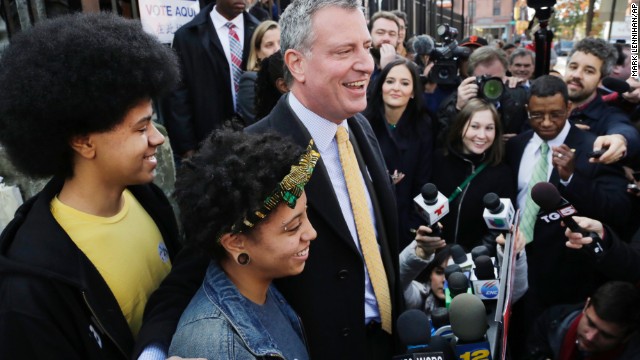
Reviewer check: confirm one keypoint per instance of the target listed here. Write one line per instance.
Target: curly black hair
(230, 176)
(75, 75)
(267, 94)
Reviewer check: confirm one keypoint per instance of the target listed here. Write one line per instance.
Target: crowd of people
(300, 145)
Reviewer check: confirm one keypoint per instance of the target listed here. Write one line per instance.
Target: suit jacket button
(343, 274)
(346, 332)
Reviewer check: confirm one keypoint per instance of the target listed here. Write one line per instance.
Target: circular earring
(244, 259)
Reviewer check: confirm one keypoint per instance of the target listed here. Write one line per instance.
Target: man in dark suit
(558, 274)
(206, 96)
(328, 65)
(328, 79)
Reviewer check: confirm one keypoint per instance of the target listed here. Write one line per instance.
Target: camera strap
(466, 182)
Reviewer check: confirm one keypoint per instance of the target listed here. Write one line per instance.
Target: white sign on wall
(163, 17)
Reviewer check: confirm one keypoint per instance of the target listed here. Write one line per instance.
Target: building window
(496, 7)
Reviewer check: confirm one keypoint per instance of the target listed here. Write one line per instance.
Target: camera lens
(443, 73)
(492, 89)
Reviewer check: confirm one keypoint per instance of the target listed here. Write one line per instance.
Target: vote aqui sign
(163, 17)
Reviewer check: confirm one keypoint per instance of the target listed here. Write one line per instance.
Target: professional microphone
(439, 317)
(468, 317)
(413, 332)
(485, 285)
(440, 324)
(457, 284)
(457, 254)
(556, 207)
(413, 329)
(616, 85)
(478, 251)
(450, 269)
(498, 213)
(431, 205)
(484, 268)
(441, 343)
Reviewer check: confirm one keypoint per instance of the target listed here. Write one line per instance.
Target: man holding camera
(486, 64)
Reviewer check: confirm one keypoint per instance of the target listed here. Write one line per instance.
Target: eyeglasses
(554, 116)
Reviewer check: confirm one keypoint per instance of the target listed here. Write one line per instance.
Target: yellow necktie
(364, 226)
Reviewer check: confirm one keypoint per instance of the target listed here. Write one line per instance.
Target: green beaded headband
(288, 191)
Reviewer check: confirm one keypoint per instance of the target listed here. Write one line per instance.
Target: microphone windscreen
(484, 268)
(492, 203)
(468, 318)
(457, 254)
(439, 317)
(450, 269)
(546, 196)
(413, 328)
(478, 251)
(429, 193)
(438, 343)
(423, 45)
(617, 85)
(458, 283)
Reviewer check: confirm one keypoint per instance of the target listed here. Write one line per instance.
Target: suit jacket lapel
(319, 190)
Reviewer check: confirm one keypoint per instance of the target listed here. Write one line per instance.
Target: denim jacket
(220, 324)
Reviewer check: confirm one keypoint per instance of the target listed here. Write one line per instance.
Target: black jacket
(464, 225)
(53, 302)
(547, 336)
(408, 148)
(202, 101)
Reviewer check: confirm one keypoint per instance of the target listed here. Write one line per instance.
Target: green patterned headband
(288, 191)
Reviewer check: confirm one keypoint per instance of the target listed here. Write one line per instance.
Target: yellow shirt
(127, 249)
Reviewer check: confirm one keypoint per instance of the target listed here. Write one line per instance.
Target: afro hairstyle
(230, 176)
(75, 75)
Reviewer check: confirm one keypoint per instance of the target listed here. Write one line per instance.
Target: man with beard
(384, 27)
(590, 61)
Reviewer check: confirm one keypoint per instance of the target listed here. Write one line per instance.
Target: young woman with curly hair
(243, 204)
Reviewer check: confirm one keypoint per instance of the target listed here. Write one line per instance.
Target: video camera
(446, 56)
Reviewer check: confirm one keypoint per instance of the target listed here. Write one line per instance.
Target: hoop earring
(244, 259)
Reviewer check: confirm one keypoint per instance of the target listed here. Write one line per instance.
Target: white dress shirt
(530, 157)
(323, 133)
(219, 24)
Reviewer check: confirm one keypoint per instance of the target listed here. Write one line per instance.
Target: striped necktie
(364, 227)
(531, 209)
(236, 55)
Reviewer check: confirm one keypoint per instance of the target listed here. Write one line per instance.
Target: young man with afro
(80, 258)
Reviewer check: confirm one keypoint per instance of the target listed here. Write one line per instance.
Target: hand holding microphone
(577, 239)
(427, 243)
(548, 198)
(633, 96)
(431, 205)
(519, 241)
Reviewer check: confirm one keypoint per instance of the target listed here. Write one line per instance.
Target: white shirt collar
(557, 141)
(220, 21)
(322, 130)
